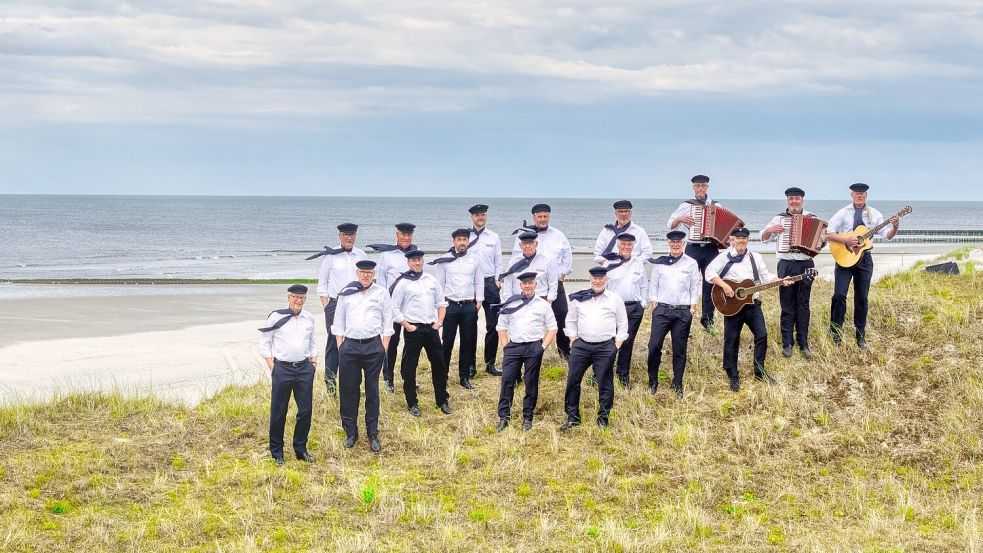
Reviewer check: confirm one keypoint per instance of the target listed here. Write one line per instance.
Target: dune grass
(851, 451)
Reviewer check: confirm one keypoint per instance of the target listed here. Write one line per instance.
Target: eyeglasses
(296, 297)
(675, 241)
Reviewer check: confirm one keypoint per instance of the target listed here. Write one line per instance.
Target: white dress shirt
(416, 301)
(292, 342)
(642, 248)
(488, 251)
(684, 209)
(789, 256)
(364, 314)
(678, 284)
(842, 221)
(461, 279)
(337, 271)
(529, 323)
(547, 276)
(391, 265)
(553, 244)
(629, 280)
(598, 319)
(740, 271)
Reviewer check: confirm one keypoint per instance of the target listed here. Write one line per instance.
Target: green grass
(851, 451)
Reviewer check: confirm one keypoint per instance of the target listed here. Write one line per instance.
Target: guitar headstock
(906, 210)
(809, 274)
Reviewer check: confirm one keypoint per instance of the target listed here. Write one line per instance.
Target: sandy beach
(186, 343)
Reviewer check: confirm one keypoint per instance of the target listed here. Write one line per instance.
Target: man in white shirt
(703, 251)
(627, 278)
(337, 270)
(597, 325)
(392, 263)
(419, 307)
(738, 264)
(623, 224)
(458, 274)
(487, 247)
(843, 222)
(795, 298)
(530, 259)
(287, 345)
(362, 326)
(553, 245)
(674, 289)
(527, 327)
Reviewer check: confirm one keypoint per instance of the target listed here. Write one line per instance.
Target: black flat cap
(541, 207)
(626, 237)
(527, 276)
(365, 264)
(741, 231)
(700, 179)
(528, 236)
(795, 191)
(405, 227)
(598, 271)
(297, 289)
(478, 208)
(859, 187)
(413, 254)
(348, 227)
(675, 235)
(622, 204)
(461, 232)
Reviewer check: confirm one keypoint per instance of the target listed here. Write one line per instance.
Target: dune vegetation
(852, 450)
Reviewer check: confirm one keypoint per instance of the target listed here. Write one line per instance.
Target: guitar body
(848, 257)
(731, 306)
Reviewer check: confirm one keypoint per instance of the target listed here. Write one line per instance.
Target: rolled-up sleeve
(266, 339)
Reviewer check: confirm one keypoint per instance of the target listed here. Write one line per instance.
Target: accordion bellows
(801, 233)
(713, 223)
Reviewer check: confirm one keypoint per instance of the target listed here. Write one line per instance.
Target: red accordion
(801, 233)
(713, 223)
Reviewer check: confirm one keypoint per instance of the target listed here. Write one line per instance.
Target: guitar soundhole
(740, 294)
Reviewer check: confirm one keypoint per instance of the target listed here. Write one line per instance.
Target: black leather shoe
(787, 351)
(390, 387)
(526, 425)
(350, 442)
(306, 457)
(445, 409)
(466, 384)
(602, 424)
(568, 425)
(862, 344)
(493, 370)
(679, 391)
(764, 377)
(278, 461)
(837, 340)
(653, 388)
(414, 410)
(374, 444)
(502, 423)
(735, 384)
(807, 353)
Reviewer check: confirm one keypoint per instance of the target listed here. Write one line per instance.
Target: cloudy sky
(502, 98)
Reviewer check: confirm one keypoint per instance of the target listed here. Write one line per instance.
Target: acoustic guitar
(848, 257)
(744, 292)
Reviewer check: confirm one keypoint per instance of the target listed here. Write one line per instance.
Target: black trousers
(559, 306)
(514, 356)
(492, 296)
(583, 355)
(426, 338)
(299, 382)
(795, 303)
(676, 323)
(752, 316)
(389, 361)
(355, 358)
(331, 350)
(704, 255)
(465, 318)
(635, 314)
(861, 273)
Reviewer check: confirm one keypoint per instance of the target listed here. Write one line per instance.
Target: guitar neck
(870, 233)
(761, 287)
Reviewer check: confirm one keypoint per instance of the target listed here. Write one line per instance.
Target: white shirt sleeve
(621, 320)
(340, 316)
(838, 223)
(387, 315)
(776, 220)
(266, 338)
(763, 272)
(479, 283)
(550, 319)
(566, 257)
(695, 286)
(497, 257)
(552, 281)
(570, 328)
(653, 288)
(396, 301)
(323, 275)
(438, 296)
(312, 348)
(715, 266)
(503, 321)
(683, 209)
(645, 244)
(599, 244)
(644, 285)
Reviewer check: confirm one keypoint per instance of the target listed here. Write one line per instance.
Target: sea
(239, 237)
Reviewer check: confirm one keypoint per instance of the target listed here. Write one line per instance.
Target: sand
(186, 344)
